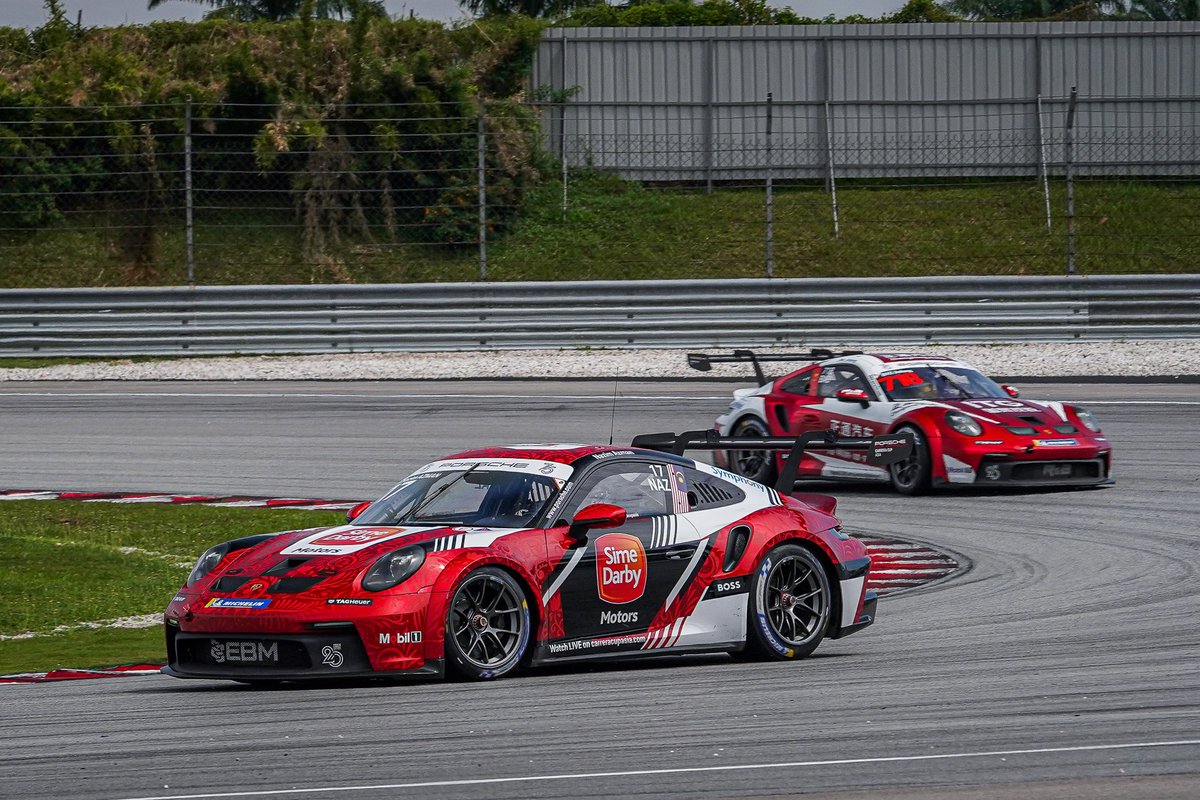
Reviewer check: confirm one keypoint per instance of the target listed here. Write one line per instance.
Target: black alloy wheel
(757, 465)
(911, 476)
(487, 626)
(790, 605)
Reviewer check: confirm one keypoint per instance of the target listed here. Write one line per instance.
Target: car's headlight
(1088, 419)
(393, 569)
(963, 424)
(207, 563)
(214, 555)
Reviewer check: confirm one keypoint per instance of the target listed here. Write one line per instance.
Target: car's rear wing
(704, 361)
(881, 450)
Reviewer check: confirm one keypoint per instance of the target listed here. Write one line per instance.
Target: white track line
(672, 771)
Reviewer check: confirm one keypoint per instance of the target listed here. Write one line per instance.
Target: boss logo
(727, 587)
(620, 568)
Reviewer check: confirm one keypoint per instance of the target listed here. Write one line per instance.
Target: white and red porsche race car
(968, 429)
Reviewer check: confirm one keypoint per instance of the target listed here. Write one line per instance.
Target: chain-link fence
(275, 193)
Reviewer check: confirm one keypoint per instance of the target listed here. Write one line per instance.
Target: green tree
(278, 10)
(1164, 10)
(1006, 10)
(530, 8)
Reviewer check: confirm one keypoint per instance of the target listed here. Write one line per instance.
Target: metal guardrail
(214, 320)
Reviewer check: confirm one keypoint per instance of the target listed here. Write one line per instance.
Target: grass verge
(614, 229)
(67, 563)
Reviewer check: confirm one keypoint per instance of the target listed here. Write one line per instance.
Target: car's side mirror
(1011, 391)
(859, 396)
(597, 515)
(353, 513)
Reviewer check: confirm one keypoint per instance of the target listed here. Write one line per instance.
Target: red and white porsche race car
(493, 559)
(968, 429)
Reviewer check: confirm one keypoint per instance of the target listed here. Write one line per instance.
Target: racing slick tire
(911, 476)
(757, 465)
(790, 605)
(487, 626)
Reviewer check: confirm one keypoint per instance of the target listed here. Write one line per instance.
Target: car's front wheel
(757, 465)
(487, 626)
(911, 476)
(790, 605)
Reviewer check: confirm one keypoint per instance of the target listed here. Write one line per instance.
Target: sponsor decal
(231, 602)
(556, 469)
(257, 586)
(1002, 406)
(992, 472)
(331, 655)
(604, 641)
(1056, 470)
(178, 598)
(733, 477)
(988, 441)
(245, 652)
(342, 541)
(618, 617)
(843, 428)
(1055, 442)
(620, 568)
(348, 601)
(726, 587)
(400, 637)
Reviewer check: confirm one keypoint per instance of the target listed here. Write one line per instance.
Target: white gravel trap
(1064, 359)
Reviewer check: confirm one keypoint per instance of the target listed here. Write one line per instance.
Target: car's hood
(318, 553)
(1005, 411)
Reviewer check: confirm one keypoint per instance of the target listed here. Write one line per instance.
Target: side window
(643, 490)
(706, 491)
(835, 378)
(799, 384)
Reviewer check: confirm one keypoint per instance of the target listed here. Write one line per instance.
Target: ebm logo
(620, 568)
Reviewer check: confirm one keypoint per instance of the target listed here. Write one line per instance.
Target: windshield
(478, 497)
(938, 383)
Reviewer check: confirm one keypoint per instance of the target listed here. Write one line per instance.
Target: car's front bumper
(334, 654)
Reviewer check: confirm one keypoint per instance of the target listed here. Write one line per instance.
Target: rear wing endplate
(704, 361)
(881, 450)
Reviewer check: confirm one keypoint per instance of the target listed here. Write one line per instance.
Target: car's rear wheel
(757, 465)
(911, 476)
(487, 626)
(790, 605)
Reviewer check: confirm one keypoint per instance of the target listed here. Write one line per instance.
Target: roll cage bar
(881, 450)
(704, 361)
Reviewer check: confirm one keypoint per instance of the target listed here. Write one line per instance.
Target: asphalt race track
(1064, 663)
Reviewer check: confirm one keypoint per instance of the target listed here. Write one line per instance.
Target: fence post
(770, 198)
(1043, 172)
(562, 152)
(832, 176)
(189, 206)
(480, 153)
(710, 58)
(1070, 175)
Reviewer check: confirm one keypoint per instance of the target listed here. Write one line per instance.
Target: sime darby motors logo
(620, 568)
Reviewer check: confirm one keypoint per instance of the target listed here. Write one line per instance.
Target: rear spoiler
(881, 450)
(704, 361)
